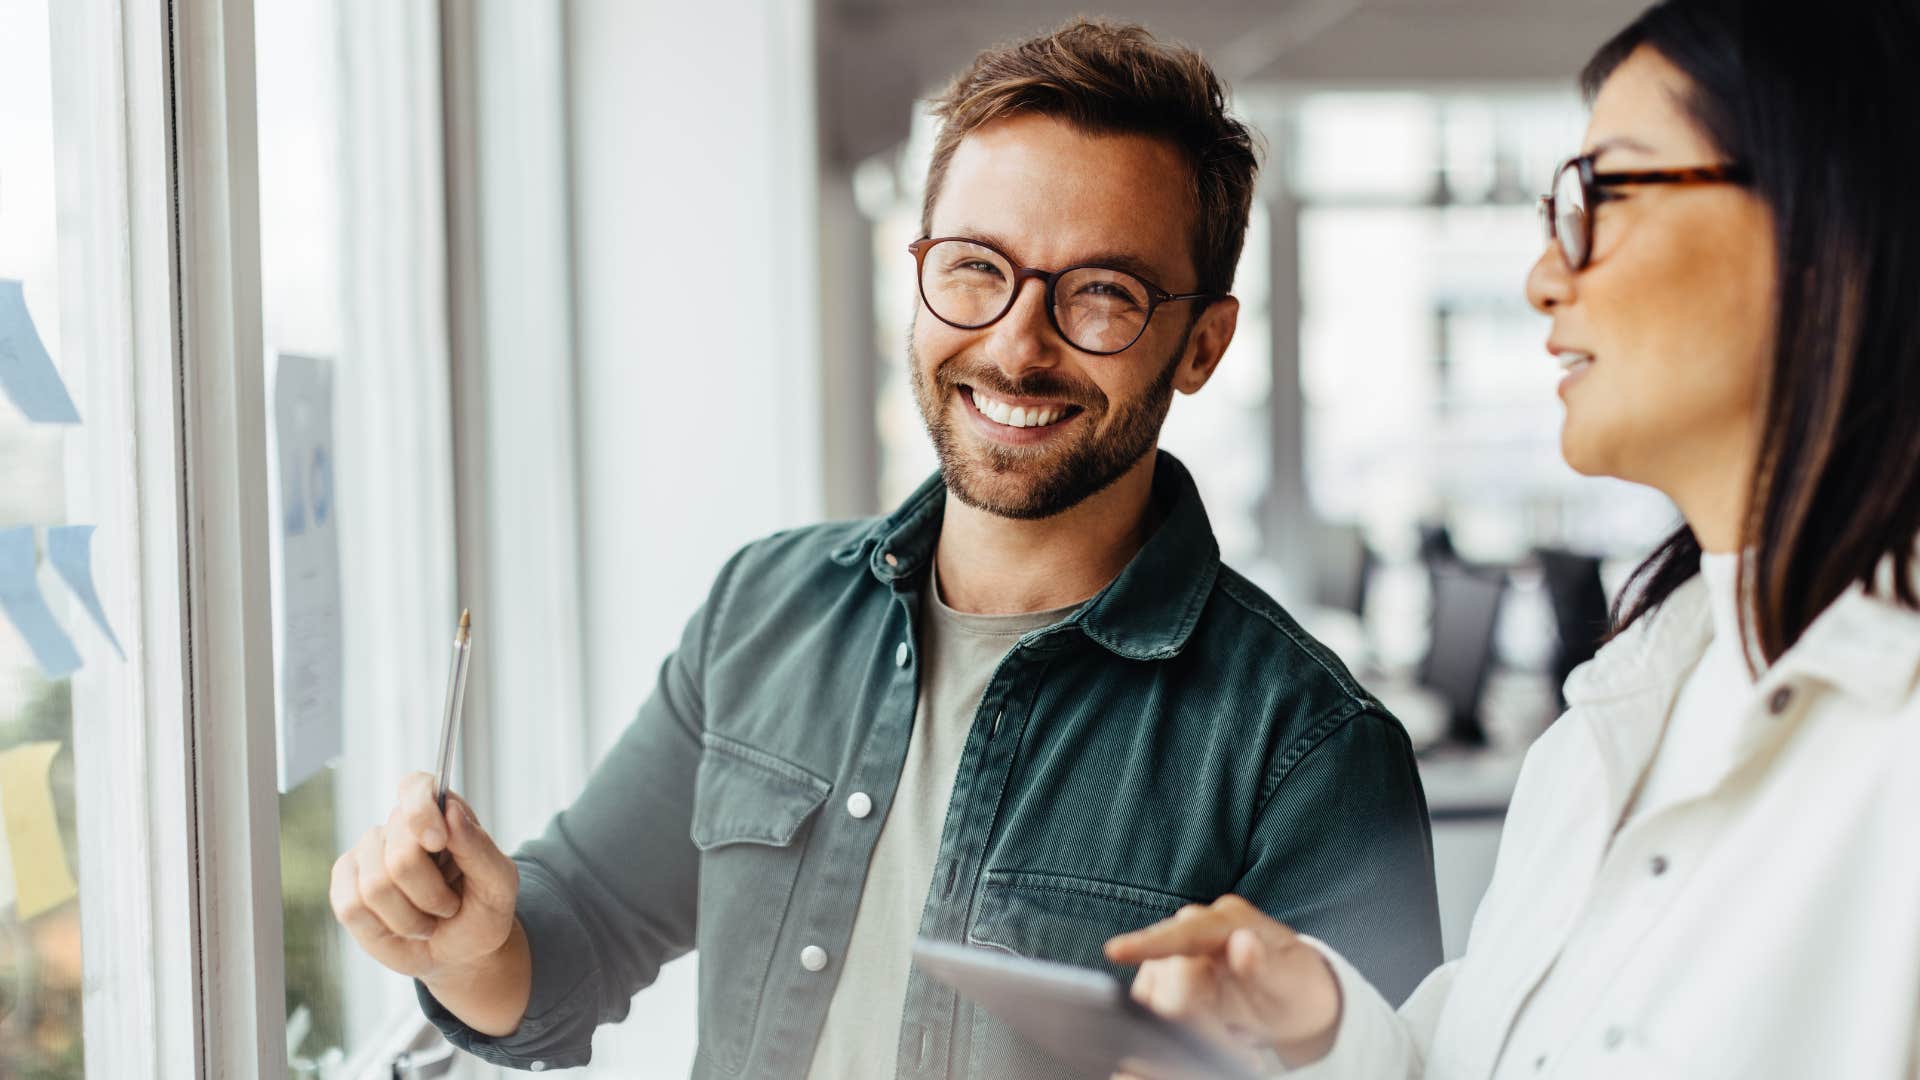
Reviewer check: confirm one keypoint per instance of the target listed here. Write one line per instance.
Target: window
(353, 264)
(41, 1028)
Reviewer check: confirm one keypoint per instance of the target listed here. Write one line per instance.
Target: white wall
(696, 261)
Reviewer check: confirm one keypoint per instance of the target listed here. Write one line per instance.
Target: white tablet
(1084, 1018)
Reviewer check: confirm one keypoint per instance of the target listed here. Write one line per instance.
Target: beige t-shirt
(958, 655)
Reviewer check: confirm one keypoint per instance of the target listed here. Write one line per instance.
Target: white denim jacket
(1768, 917)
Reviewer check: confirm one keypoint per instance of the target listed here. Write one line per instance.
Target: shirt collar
(1146, 613)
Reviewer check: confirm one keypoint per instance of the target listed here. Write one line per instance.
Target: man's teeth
(1002, 413)
(1575, 361)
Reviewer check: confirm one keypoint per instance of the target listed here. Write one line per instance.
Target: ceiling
(878, 56)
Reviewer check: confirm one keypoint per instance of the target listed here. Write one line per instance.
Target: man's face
(1051, 196)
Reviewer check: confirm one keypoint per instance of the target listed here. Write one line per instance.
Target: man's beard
(1057, 478)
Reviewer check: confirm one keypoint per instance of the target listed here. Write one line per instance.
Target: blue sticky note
(70, 550)
(20, 598)
(26, 371)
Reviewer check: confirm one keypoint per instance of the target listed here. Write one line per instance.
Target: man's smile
(1016, 421)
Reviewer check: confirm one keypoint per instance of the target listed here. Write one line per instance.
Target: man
(1028, 710)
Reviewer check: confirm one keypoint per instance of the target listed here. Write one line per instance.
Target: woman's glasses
(970, 284)
(1568, 212)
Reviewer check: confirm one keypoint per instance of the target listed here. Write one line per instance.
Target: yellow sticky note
(41, 879)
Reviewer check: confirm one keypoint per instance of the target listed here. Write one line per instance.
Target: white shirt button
(859, 804)
(538, 1066)
(813, 958)
(1781, 698)
(1614, 1036)
(902, 654)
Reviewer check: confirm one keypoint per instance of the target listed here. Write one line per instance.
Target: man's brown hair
(1112, 79)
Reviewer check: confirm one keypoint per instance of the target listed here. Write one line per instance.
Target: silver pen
(450, 722)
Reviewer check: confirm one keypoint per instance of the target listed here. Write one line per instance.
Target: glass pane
(298, 64)
(354, 314)
(40, 968)
(1430, 403)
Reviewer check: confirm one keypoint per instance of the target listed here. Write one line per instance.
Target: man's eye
(1109, 292)
(976, 266)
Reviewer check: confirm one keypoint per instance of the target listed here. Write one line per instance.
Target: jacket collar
(1657, 651)
(1146, 613)
(1864, 644)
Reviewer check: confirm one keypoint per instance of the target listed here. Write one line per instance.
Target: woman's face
(1668, 330)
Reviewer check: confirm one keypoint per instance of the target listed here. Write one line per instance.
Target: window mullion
(240, 959)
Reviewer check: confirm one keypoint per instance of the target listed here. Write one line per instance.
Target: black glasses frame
(1155, 294)
(1593, 185)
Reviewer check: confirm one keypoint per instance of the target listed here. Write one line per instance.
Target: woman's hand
(1229, 968)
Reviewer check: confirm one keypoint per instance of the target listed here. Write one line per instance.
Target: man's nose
(1024, 338)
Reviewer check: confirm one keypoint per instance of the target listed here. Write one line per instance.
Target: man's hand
(1228, 968)
(414, 911)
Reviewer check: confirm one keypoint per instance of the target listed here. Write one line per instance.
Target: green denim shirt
(1176, 738)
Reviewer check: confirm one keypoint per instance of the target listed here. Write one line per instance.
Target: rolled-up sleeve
(608, 893)
(1342, 850)
(565, 980)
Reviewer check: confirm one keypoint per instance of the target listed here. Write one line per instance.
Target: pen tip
(466, 620)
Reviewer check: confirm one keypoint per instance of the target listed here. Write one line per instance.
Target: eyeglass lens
(1570, 215)
(1096, 309)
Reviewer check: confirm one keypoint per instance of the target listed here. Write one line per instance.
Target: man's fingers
(419, 812)
(491, 877)
(343, 893)
(379, 892)
(366, 929)
(420, 880)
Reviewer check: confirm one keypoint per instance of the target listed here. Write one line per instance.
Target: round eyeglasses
(1567, 213)
(970, 284)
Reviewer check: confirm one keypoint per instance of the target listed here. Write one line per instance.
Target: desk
(1467, 796)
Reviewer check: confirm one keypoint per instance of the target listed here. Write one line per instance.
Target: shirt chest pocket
(751, 810)
(1061, 917)
(1057, 917)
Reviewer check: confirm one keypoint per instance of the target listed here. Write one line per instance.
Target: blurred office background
(609, 288)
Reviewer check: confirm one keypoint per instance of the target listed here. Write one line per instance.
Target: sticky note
(21, 600)
(27, 373)
(70, 550)
(41, 879)
(6, 872)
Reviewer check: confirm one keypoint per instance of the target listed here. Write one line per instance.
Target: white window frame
(229, 669)
(178, 822)
(131, 740)
(178, 817)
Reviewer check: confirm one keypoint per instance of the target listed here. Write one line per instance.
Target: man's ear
(1206, 344)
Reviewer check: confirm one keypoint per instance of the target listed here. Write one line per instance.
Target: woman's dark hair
(1819, 102)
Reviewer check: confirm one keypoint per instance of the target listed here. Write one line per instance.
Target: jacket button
(891, 559)
(859, 804)
(902, 654)
(1781, 698)
(813, 958)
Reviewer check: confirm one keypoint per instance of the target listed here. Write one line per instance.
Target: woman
(1711, 865)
